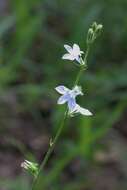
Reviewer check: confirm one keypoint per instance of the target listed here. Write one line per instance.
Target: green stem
(82, 67)
(87, 53)
(79, 75)
(51, 148)
(52, 145)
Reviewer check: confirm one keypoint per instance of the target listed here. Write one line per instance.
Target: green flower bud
(99, 29)
(94, 26)
(94, 31)
(31, 167)
(90, 36)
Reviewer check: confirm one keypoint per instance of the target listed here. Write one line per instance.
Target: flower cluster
(74, 53)
(93, 32)
(69, 95)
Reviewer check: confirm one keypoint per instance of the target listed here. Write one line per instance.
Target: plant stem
(51, 147)
(79, 75)
(87, 53)
(52, 144)
(82, 67)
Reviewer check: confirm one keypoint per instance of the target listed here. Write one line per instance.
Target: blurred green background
(92, 152)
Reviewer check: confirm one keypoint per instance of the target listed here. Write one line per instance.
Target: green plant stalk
(53, 142)
(82, 67)
(51, 147)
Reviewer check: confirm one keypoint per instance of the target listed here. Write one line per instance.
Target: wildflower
(74, 53)
(68, 96)
(30, 166)
(80, 110)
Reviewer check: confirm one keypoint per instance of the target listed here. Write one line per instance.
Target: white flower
(68, 96)
(80, 110)
(74, 53)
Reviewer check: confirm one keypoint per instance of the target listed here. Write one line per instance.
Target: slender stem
(79, 75)
(51, 147)
(87, 53)
(52, 144)
(82, 67)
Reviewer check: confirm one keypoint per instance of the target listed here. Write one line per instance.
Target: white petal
(28, 162)
(81, 52)
(84, 111)
(68, 56)
(62, 99)
(68, 48)
(76, 49)
(61, 89)
(78, 59)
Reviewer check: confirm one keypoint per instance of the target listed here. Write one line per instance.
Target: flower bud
(31, 167)
(94, 26)
(99, 29)
(90, 36)
(93, 32)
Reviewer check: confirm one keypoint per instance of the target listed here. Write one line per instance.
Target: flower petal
(76, 49)
(68, 56)
(82, 111)
(79, 109)
(68, 48)
(78, 59)
(61, 89)
(81, 52)
(71, 104)
(63, 99)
